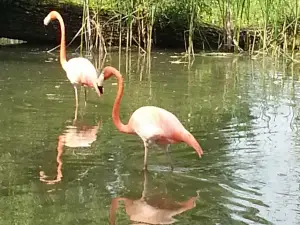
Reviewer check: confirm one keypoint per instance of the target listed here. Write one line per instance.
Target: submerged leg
(169, 156)
(84, 96)
(76, 102)
(146, 144)
(75, 116)
(145, 185)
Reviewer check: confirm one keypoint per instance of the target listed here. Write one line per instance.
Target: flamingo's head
(47, 19)
(52, 16)
(106, 73)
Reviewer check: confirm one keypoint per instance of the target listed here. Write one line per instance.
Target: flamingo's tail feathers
(191, 141)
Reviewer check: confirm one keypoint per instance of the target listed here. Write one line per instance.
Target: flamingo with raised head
(152, 124)
(80, 71)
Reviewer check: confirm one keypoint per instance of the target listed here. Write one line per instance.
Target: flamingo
(152, 124)
(80, 71)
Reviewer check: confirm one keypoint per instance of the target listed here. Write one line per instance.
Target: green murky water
(245, 114)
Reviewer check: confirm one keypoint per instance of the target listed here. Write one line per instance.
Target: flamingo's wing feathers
(156, 124)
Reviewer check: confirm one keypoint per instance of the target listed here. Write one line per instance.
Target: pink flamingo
(152, 124)
(80, 71)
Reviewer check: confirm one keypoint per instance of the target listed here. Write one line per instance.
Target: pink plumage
(80, 71)
(152, 124)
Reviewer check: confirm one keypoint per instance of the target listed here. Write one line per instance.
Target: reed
(150, 23)
(191, 18)
(256, 26)
(86, 28)
(297, 5)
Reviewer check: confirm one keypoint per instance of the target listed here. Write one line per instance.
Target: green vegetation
(256, 26)
(259, 26)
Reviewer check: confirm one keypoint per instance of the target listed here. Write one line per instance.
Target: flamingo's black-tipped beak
(101, 89)
(99, 82)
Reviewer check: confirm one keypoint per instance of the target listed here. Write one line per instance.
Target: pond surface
(244, 113)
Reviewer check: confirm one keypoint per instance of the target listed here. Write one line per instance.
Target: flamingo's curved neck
(108, 72)
(63, 58)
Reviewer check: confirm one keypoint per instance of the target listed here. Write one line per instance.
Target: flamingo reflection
(150, 210)
(74, 136)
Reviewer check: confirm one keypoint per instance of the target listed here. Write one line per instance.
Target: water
(243, 112)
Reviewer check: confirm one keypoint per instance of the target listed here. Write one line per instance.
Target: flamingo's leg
(146, 144)
(84, 96)
(169, 156)
(76, 102)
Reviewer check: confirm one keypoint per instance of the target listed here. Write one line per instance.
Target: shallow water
(243, 112)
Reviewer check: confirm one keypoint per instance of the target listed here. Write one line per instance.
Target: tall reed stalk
(86, 33)
(98, 30)
(192, 12)
(151, 16)
(129, 7)
(295, 28)
(82, 27)
(239, 13)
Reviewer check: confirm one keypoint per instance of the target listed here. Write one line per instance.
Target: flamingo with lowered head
(152, 124)
(80, 71)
